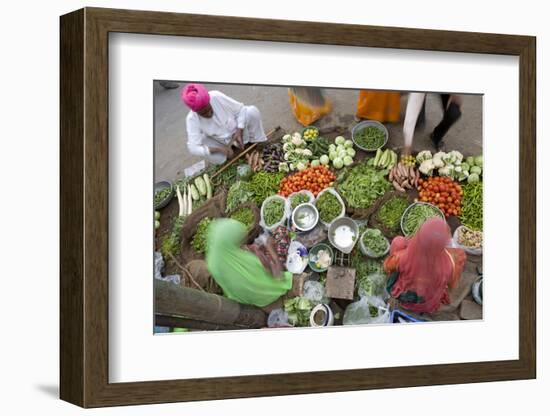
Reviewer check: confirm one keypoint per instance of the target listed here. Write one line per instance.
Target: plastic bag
(297, 258)
(470, 250)
(314, 291)
(305, 192)
(278, 318)
(159, 265)
(286, 212)
(367, 310)
(337, 195)
(374, 285)
(244, 172)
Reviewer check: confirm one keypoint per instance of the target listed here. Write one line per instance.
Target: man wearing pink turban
(217, 122)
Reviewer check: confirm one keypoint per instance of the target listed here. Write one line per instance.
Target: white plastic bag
(470, 250)
(286, 212)
(159, 265)
(314, 291)
(278, 318)
(297, 257)
(309, 194)
(337, 195)
(359, 313)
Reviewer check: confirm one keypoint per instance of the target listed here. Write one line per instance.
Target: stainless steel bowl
(363, 125)
(305, 217)
(344, 221)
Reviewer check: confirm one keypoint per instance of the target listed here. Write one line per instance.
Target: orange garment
(424, 267)
(380, 106)
(305, 113)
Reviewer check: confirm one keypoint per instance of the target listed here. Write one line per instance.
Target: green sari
(239, 272)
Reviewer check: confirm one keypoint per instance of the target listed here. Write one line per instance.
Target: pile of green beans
(265, 184)
(370, 138)
(391, 211)
(329, 207)
(417, 215)
(472, 206)
(274, 211)
(363, 185)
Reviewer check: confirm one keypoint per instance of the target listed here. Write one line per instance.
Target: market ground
(172, 156)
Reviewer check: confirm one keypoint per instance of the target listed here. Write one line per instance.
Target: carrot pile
(314, 179)
(442, 192)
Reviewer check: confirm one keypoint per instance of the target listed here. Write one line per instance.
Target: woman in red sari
(422, 268)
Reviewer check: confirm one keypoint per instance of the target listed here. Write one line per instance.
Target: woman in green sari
(239, 272)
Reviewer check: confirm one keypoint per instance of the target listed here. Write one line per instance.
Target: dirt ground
(170, 137)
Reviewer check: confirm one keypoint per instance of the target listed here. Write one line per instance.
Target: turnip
(348, 160)
(338, 163)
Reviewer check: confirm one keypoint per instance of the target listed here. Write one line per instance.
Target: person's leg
(414, 106)
(253, 129)
(214, 158)
(451, 114)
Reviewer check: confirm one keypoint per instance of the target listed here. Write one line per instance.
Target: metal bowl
(343, 221)
(313, 252)
(305, 217)
(363, 125)
(159, 186)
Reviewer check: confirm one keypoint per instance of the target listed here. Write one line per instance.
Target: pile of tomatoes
(314, 179)
(442, 192)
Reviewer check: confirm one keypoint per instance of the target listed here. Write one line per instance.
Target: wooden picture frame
(84, 207)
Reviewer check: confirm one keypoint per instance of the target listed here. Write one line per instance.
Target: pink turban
(195, 96)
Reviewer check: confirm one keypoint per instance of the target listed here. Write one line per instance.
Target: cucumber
(201, 186)
(208, 186)
(377, 157)
(194, 192)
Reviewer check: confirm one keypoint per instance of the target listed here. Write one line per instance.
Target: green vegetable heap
(329, 206)
(244, 216)
(298, 199)
(171, 243)
(239, 193)
(472, 206)
(363, 185)
(162, 195)
(226, 177)
(370, 137)
(391, 211)
(264, 184)
(319, 147)
(375, 242)
(273, 211)
(199, 239)
(298, 310)
(417, 215)
(369, 275)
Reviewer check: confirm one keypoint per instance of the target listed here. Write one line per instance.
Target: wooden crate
(340, 282)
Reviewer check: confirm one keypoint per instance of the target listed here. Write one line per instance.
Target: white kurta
(229, 115)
